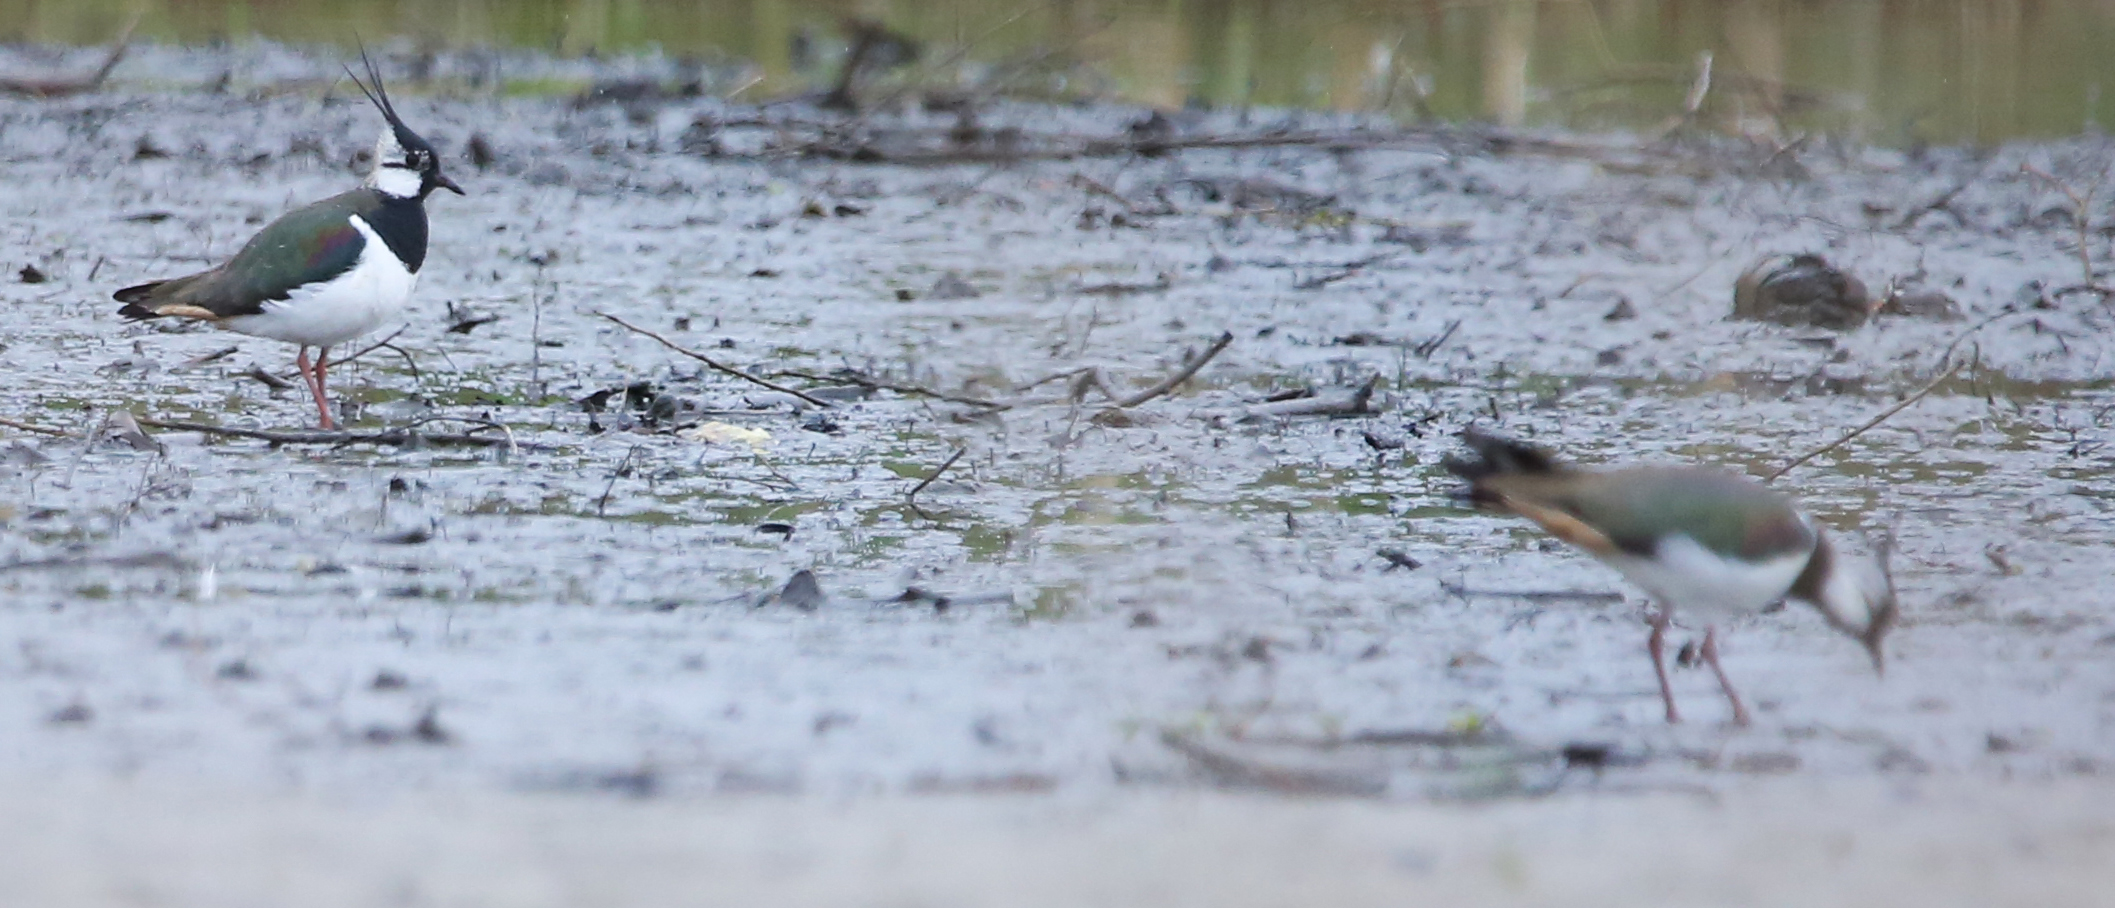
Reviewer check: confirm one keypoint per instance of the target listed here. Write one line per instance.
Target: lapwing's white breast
(1685, 576)
(369, 294)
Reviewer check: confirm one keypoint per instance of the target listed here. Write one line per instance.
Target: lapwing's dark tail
(137, 301)
(1496, 456)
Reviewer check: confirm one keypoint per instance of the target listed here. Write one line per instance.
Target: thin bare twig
(1854, 433)
(715, 364)
(2081, 217)
(622, 466)
(1425, 349)
(912, 498)
(1946, 355)
(1944, 202)
(1181, 375)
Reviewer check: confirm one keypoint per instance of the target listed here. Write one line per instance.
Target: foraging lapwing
(323, 274)
(1712, 544)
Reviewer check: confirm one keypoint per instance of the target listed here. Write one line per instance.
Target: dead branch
(715, 364)
(40, 430)
(1861, 430)
(406, 437)
(62, 87)
(1181, 375)
(141, 560)
(1340, 402)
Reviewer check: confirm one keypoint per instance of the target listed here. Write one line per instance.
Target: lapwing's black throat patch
(402, 225)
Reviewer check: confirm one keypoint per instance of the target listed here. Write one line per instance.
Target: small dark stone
(801, 591)
(413, 536)
(429, 731)
(237, 670)
(388, 680)
(1800, 291)
(31, 274)
(1380, 443)
(1586, 756)
(782, 529)
(1144, 618)
(1622, 312)
(75, 714)
(480, 151)
(951, 286)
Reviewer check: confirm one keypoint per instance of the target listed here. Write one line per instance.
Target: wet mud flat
(971, 563)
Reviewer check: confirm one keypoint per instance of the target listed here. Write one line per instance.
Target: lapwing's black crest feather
(1496, 455)
(379, 95)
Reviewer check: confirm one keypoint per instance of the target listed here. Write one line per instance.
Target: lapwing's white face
(399, 169)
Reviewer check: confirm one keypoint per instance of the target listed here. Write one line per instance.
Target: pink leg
(313, 377)
(1740, 711)
(1657, 646)
(322, 385)
(308, 372)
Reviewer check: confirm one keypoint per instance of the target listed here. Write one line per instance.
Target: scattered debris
(720, 433)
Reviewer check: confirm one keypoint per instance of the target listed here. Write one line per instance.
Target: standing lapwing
(323, 274)
(1712, 544)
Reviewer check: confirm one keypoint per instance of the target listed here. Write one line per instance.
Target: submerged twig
(1870, 423)
(854, 377)
(715, 364)
(1462, 591)
(912, 498)
(1181, 375)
